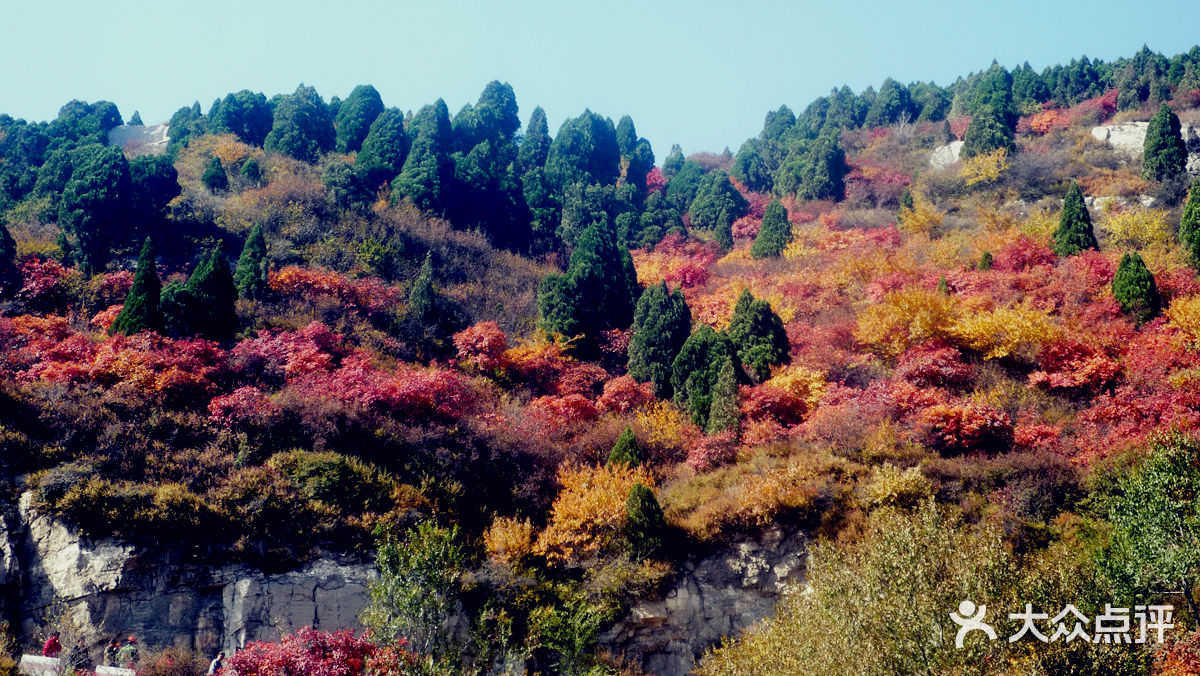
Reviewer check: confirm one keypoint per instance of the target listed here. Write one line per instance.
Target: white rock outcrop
(944, 156)
(140, 140)
(1129, 139)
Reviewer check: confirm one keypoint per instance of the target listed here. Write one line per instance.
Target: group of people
(116, 654)
(79, 659)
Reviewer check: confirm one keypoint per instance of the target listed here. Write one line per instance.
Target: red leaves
(1068, 364)
(310, 652)
(370, 294)
(964, 428)
(623, 394)
(276, 356)
(1022, 254)
(481, 347)
(934, 365)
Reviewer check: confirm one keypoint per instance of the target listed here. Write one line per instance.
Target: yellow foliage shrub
(1184, 314)
(800, 382)
(984, 168)
(1004, 332)
(663, 425)
(889, 485)
(1040, 224)
(589, 513)
(921, 219)
(904, 318)
(1135, 228)
(509, 540)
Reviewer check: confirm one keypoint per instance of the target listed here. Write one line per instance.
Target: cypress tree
(383, 152)
(906, 200)
(626, 451)
(431, 318)
(10, 274)
(985, 261)
(302, 126)
(428, 171)
(987, 131)
(775, 233)
(136, 120)
(645, 526)
(355, 116)
(717, 205)
(535, 145)
(695, 370)
(1074, 232)
(662, 323)
(758, 335)
(141, 312)
(250, 276)
(1134, 288)
(1189, 224)
(942, 286)
(205, 305)
(598, 291)
(251, 171)
(1164, 155)
(95, 203)
(214, 177)
(726, 404)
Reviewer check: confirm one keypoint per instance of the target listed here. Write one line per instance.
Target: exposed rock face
(140, 140)
(1129, 139)
(717, 596)
(107, 588)
(944, 156)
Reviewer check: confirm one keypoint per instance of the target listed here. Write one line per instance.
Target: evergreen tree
(751, 168)
(214, 177)
(1165, 155)
(814, 170)
(136, 120)
(1134, 288)
(251, 172)
(626, 136)
(355, 117)
(659, 218)
(724, 414)
(1189, 225)
(662, 323)
(428, 170)
(906, 200)
(685, 184)
(184, 124)
(942, 286)
(535, 146)
(891, 105)
(250, 277)
(774, 233)
(383, 151)
(246, 114)
(1074, 232)
(626, 451)
(597, 292)
(431, 318)
(988, 131)
(10, 273)
(95, 203)
(153, 183)
(673, 163)
(717, 205)
(204, 305)
(985, 261)
(645, 526)
(140, 312)
(758, 335)
(584, 150)
(696, 368)
(302, 127)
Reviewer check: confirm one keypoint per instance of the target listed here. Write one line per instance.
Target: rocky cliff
(105, 588)
(1129, 139)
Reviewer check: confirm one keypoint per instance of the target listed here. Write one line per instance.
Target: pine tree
(598, 291)
(906, 200)
(662, 323)
(626, 451)
(645, 526)
(95, 203)
(535, 145)
(141, 312)
(355, 116)
(1134, 288)
(775, 232)
(985, 261)
(136, 120)
(1164, 156)
(717, 205)
(1189, 224)
(942, 286)
(428, 170)
(384, 150)
(723, 416)
(695, 370)
(214, 177)
(302, 126)
(205, 305)
(431, 318)
(1074, 232)
(987, 131)
(758, 336)
(250, 276)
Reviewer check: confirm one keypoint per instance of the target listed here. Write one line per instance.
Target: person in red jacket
(52, 647)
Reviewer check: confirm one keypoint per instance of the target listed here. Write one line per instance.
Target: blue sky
(699, 73)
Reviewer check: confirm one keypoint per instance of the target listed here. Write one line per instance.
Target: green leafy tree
(674, 162)
(717, 205)
(535, 146)
(95, 203)
(136, 120)
(183, 125)
(245, 114)
(154, 182)
(428, 170)
(696, 369)
(381, 157)
(355, 116)
(659, 218)
(496, 110)
(985, 261)
(344, 187)
(250, 276)
(626, 451)
(303, 127)
(598, 291)
(758, 335)
(140, 312)
(431, 318)
(10, 273)
(645, 526)
(1134, 288)
(251, 172)
(662, 323)
(418, 590)
(1164, 156)
(815, 170)
(214, 177)
(1155, 516)
(204, 305)
(1189, 224)
(1075, 231)
(751, 168)
(685, 184)
(775, 232)
(724, 414)
(987, 132)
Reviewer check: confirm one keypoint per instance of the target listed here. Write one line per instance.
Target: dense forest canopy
(535, 372)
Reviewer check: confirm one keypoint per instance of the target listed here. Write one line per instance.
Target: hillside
(948, 336)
